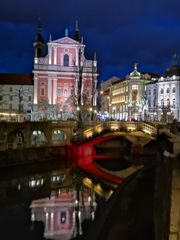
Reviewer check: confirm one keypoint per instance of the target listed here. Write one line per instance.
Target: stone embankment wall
(175, 202)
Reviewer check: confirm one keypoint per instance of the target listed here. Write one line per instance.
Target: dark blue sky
(122, 32)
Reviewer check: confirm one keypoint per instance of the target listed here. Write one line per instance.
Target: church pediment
(65, 40)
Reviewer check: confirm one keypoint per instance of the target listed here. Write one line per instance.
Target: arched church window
(65, 92)
(63, 217)
(66, 60)
(59, 92)
(72, 91)
(174, 89)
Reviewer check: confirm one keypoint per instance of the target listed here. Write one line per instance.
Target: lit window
(63, 217)
(72, 92)
(59, 92)
(174, 90)
(66, 60)
(65, 92)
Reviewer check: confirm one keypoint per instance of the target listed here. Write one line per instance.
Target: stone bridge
(35, 134)
(50, 133)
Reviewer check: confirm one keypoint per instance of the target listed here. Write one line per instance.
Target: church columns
(49, 90)
(77, 56)
(35, 90)
(54, 91)
(50, 55)
(55, 55)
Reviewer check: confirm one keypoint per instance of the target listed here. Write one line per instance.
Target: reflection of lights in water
(58, 212)
(33, 183)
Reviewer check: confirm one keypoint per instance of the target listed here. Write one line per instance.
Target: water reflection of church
(64, 213)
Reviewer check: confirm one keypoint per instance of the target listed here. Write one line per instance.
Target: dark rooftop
(174, 70)
(16, 79)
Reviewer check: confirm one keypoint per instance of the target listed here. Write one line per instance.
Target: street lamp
(90, 109)
(154, 116)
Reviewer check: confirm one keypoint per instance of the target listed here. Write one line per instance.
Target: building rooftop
(16, 79)
(174, 70)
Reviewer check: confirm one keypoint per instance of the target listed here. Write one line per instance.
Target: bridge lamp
(90, 109)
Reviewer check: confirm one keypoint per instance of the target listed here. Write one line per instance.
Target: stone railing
(95, 127)
(149, 129)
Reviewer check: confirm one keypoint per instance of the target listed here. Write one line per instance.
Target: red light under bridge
(84, 156)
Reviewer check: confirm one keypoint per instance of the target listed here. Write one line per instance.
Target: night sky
(122, 32)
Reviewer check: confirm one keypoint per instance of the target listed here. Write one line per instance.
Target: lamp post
(154, 114)
(90, 109)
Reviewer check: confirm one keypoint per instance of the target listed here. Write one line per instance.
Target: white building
(127, 97)
(16, 96)
(164, 96)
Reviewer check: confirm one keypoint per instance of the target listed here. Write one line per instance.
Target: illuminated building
(127, 97)
(164, 96)
(16, 97)
(104, 96)
(64, 79)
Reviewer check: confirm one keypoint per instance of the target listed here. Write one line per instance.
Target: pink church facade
(63, 75)
(63, 215)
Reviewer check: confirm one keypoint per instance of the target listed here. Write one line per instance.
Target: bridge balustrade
(147, 128)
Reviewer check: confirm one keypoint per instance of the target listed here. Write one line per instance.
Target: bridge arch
(15, 139)
(58, 136)
(38, 138)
